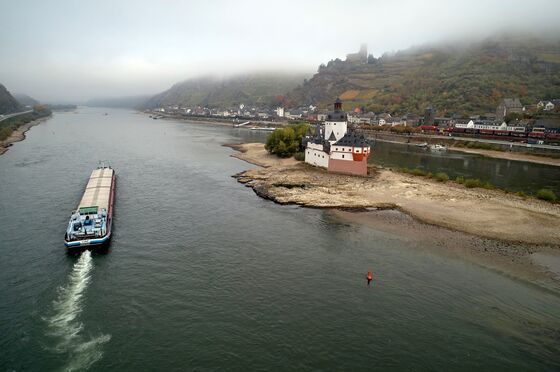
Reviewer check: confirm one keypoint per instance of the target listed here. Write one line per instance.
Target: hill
(8, 103)
(26, 100)
(462, 79)
(119, 102)
(262, 89)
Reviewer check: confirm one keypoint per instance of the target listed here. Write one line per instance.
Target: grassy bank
(543, 194)
(479, 145)
(9, 125)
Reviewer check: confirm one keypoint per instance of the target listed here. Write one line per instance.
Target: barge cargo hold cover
(91, 223)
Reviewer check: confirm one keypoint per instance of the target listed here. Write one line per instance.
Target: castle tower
(429, 116)
(363, 52)
(336, 124)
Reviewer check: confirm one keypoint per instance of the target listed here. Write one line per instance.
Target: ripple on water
(64, 325)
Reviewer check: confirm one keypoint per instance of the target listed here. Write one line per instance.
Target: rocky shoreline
(490, 214)
(19, 134)
(498, 230)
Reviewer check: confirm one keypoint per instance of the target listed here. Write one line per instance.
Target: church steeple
(338, 105)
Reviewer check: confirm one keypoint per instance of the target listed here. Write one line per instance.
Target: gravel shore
(500, 231)
(487, 213)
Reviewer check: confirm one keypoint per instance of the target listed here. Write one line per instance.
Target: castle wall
(345, 152)
(358, 168)
(315, 155)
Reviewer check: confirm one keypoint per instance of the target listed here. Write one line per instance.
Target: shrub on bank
(479, 145)
(5, 133)
(472, 182)
(418, 172)
(545, 194)
(441, 177)
(300, 156)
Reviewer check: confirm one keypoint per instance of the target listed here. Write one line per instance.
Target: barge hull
(99, 193)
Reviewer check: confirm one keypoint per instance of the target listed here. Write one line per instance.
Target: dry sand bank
(503, 232)
(487, 213)
(511, 156)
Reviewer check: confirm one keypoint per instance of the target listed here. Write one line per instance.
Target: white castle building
(335, 147)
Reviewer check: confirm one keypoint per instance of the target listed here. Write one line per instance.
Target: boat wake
(64, 324)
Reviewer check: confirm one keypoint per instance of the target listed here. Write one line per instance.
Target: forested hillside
(8, 104)
(462, 79)
(250, 89)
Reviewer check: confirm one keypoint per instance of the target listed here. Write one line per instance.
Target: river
(508, 174)
(202, 274)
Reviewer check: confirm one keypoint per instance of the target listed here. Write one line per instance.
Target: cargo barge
(90, 224)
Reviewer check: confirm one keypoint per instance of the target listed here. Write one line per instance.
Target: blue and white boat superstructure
(90, 224)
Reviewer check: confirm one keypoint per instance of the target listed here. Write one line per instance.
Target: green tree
(285, 142)
(512, 116)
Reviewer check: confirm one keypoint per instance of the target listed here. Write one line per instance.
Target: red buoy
(368, 277)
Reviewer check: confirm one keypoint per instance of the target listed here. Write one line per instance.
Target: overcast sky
(76, 50)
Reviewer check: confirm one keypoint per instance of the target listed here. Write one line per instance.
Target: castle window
(343, 156)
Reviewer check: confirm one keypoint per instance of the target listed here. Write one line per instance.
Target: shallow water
(202, 274)
(509, 174)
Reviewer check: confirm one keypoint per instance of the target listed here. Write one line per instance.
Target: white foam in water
(64, 324)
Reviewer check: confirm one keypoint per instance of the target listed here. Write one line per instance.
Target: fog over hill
(75, 51)
(262, 89)
(462, 78)
(25, 100)
(122, 102)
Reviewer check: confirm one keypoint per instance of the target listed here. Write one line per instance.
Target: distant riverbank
(517, 156)
(216, 121)
(507, 155)
(19, 134)
(547, 159)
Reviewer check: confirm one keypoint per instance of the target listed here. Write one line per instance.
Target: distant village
(510, 118)
(539, 120)
(509, 108)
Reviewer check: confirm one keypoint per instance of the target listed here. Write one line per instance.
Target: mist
(72, 51)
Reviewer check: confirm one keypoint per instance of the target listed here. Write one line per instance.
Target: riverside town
(297, 186)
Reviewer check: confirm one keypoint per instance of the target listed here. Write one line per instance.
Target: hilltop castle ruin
(361, 56)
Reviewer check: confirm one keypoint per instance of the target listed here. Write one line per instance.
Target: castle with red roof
(336, 147)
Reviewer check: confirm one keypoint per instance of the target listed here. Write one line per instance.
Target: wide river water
(202, 274)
